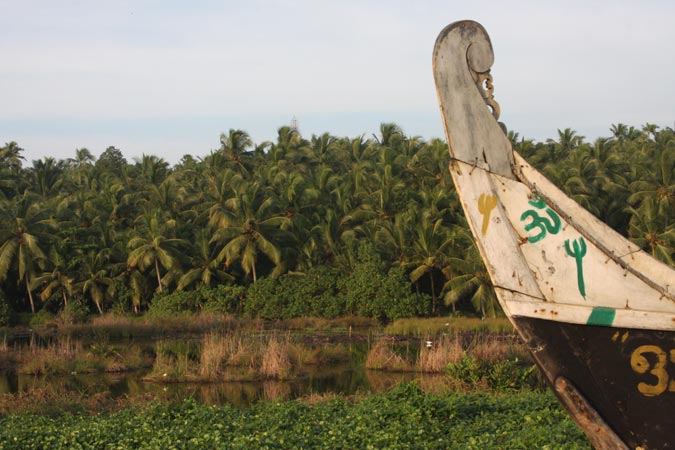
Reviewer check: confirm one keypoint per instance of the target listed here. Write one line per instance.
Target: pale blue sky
(167, 77)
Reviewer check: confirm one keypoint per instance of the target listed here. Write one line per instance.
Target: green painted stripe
(602, 316)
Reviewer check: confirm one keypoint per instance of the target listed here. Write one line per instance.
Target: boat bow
(597, 313)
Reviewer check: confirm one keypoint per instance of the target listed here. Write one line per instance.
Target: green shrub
(370, 290)
(42, 318)
(510, 374)
(373, 291)
(174, 303)
(314, 294)
(73, 312)
(5, 310)
(123, 301)
(468, 369)
(264, 299)
(403, 418)
(223, 299)
(513, 374)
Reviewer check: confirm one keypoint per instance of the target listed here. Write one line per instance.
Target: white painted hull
(538, 244)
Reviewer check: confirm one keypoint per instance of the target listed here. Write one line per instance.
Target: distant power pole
(294, 123)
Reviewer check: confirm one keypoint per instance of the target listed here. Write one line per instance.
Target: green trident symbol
(578, 251)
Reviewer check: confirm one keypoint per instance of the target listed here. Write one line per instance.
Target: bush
(223, 299)
(373, 291)
(263, 299)
(370, 290)
(42, 318)
(5, 310)
(499, 375)
(314, 294)
(174, 303)
(73, 312)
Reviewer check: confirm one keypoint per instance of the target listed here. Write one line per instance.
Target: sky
(167, 77)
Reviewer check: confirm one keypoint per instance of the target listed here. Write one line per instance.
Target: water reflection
(345, 377)
(343, 380)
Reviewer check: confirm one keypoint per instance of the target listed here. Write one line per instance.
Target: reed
(57, 357)
(493, 348)
(382, 356)
(435, 357)
(316, 398)
(215, 351)
(231, 356)
(322, 323)
(174, 362)
(276, 361)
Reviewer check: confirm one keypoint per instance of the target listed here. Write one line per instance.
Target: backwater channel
(343, 373)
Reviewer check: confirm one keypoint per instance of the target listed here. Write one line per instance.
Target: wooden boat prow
(597, 313)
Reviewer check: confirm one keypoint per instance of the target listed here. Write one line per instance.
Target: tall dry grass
(383, 356)
(276, 360)
(441, 352)
(493, 348)
(437, 353)
(235, 356)
(57, 357)
(216, 349)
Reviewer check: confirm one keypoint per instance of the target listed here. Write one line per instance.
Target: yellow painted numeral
(640, 364)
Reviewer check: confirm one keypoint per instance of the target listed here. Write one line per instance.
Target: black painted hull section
(627, 375)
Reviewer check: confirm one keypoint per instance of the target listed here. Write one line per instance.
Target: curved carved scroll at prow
(462, 60)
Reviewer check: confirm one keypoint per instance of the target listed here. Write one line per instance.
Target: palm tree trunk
(30, 296)
(98, 306)
(65, 299)
(159, 279)
(255, 277)
(433, 292)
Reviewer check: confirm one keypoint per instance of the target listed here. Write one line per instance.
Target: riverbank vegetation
(239, 353)
(323, 226)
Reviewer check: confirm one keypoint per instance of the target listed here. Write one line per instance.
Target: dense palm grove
(321, 226)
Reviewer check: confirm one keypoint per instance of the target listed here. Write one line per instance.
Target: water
(346, 377)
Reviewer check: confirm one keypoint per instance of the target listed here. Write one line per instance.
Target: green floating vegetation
(403, 418)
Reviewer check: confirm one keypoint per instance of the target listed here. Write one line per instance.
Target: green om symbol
(542, 223)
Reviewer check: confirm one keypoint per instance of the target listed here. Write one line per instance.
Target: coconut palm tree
(658, 185)
(47, 176)
(252, 226)
(95, 280)
(23, 223)
(205, 268)
(153, 245)
(10, 169)
(468, 279)
(431, 242)
(648, 230)
(57, 280)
